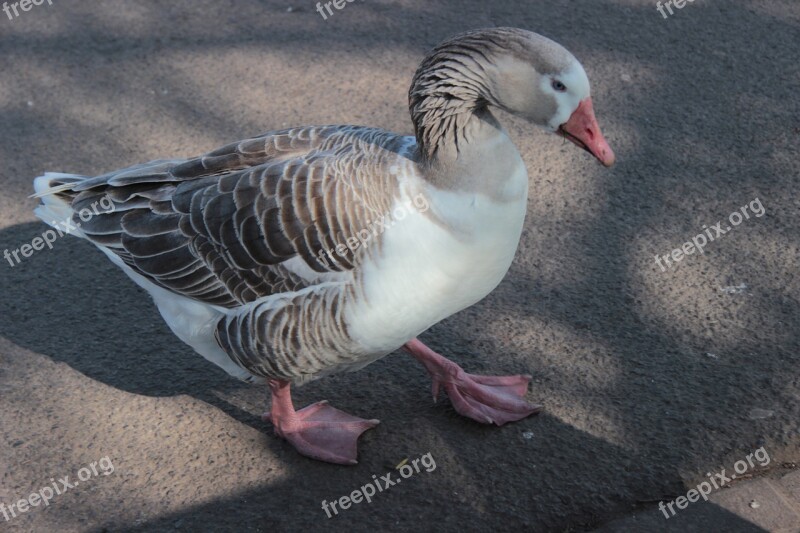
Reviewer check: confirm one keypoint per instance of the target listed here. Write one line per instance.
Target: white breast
(435, 263)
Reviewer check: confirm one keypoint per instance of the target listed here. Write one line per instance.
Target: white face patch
(577, 83)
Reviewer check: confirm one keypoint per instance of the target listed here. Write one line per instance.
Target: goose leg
(487, 399)
(318, 431)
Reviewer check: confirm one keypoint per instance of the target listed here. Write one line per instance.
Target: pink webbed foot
(487, 399)
(318, 431)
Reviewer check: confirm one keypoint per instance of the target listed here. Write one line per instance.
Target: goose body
(303, 252)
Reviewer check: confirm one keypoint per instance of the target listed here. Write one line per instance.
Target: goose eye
(558, 86)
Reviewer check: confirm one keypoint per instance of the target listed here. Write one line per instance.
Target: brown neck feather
(448, 88)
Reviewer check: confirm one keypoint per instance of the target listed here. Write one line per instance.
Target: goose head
(543, 82)
(512, 69)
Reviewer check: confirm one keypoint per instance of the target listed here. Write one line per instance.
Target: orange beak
(583, 130)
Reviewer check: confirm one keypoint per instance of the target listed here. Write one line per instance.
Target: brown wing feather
(220, 228)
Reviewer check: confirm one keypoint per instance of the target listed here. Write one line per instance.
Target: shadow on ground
(650, 379)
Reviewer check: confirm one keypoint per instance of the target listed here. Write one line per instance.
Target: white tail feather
(53, 211)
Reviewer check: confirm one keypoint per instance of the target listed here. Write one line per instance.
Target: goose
(309, 251)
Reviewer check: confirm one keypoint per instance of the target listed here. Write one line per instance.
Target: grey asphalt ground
(650, 378)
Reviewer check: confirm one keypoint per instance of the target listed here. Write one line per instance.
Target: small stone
(626, 78)
(527, 435)
(711, 355)
(754, 504)
(758, 414)
(734, 289)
